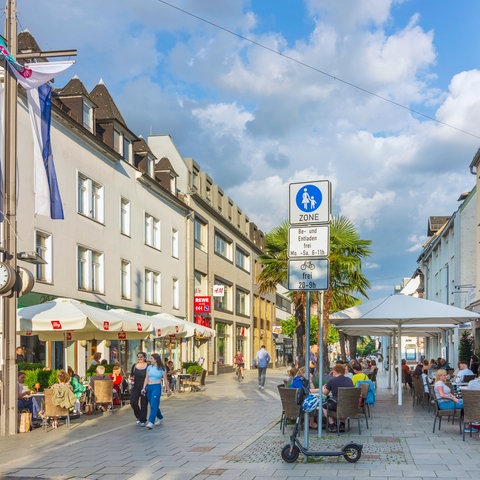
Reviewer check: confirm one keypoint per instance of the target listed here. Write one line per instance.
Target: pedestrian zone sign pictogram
(309, 203)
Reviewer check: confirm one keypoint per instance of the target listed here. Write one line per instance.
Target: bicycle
(239, 372)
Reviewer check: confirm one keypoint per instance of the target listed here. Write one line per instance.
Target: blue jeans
(154, 392)
(262, 373)
(450, 404)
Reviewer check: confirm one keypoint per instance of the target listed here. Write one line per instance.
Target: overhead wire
(318, 70)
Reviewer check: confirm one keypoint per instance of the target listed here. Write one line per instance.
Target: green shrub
(24, 366)
(186, 365)
(194, 369)
(46, 378)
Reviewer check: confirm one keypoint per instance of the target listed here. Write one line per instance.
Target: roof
(74, 87)
(106, 107)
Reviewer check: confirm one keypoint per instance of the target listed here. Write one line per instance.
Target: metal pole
(307, 365)
(320, 363)
(399, 353)
(9, 302)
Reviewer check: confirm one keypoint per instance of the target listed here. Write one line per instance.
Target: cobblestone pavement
(231, 431)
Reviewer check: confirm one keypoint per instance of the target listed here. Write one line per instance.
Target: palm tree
(346, 279)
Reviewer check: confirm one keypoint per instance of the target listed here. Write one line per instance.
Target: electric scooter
(351, 452)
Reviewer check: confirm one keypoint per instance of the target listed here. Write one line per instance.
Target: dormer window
(118, 141)
(87, 114)
(126, 149)
(151, 167)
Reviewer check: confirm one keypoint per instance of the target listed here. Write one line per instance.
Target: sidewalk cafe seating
(373, 377)
(51, 410)
(467, 378)
(290, 407)
(419, 393)
(196, 385)
(471, 409)
(454, 413)
(347, 406)
(102, 394)
(124, 393)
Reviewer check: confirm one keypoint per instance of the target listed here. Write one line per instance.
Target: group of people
(146, 389)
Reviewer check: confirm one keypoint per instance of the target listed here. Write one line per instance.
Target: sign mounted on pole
(308, 275)
(309, 202)
(309, 241)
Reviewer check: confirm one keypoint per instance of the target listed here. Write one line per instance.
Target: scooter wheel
(289, 454)
(352, 453)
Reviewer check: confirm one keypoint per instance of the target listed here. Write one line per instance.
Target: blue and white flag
(47, 194)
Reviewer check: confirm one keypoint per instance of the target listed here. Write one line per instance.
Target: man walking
(262, 359)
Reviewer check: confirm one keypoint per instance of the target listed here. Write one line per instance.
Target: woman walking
(137, 379)
(152, 387)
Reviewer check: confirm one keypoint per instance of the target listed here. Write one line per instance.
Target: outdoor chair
(51, 410)
(453, 413)
(363, 406)
(196, 385)
(347, 407)
(471, 408)
(102, 394)
(124, 393)
(290, 407)
(373, 377)
(431, 395)
(418, 391)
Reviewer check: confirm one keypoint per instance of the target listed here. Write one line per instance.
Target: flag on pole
(47, 194)
(34, 77)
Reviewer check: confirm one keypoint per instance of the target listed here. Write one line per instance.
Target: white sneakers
(158, 422)
(149, 425)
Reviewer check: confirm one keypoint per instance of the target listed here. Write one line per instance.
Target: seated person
(445, 397)
(474, 384)
(172, 381)
(461, 372)
(299, 381)
(23, 394)
(331, 388)
(78, 388)
(358, 374)
(62, 394)
(100, 375)
(117, 382)
(406, 376)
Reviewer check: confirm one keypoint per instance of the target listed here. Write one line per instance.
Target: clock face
(7, 277)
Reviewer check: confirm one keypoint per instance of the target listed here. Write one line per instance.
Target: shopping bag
(25, 421)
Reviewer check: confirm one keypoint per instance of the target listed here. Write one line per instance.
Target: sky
(380, 97)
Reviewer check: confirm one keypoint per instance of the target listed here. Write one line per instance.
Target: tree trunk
(343, 339)
(352, 345)
(300, 327)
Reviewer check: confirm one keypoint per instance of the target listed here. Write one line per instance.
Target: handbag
(25, 421)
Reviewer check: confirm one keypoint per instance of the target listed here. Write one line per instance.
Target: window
(43, 247)
(90, 270)
(200, 233)
(242, 260)
(118, 141)
(153, 287)
(174, 243)
(176, 294)
(223, 246)
(126, 281)
(224, 303)
(87, 114)
(90, 198)
(200, 280)
(126, 149)
(125, 216)
(152, 231)
(242, 302)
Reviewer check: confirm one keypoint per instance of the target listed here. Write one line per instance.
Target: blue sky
(257, 121)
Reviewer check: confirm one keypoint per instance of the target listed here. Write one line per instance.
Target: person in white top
(461, 372)
(474, 384)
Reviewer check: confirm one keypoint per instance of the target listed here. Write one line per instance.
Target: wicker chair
(418, 391)
(471, 408)
(453, 413)
(364, 408)
(290, 407)
(373, 377)
(51, 410)
(347, 406)
(103, 393)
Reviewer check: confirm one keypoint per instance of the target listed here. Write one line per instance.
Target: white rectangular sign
(309, 202)
(311, 274)
(218, 290)
(309, 241)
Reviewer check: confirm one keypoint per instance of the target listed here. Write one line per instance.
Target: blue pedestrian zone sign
(309, 203)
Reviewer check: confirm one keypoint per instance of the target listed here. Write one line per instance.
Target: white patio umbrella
(68, 319)
(186, 329)
(400, 311)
